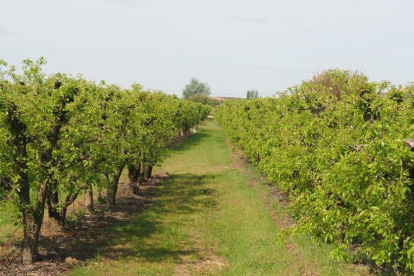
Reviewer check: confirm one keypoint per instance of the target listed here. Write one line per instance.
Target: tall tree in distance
(252, 94)
(196, 87)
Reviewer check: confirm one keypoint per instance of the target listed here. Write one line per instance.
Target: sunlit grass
(207, 210)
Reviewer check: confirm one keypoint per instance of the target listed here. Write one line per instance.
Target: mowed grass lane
(208, 220)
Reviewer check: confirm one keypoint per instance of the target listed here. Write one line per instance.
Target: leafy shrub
(338, 147)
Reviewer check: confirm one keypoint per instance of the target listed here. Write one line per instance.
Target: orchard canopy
(61, 135)
(342, 148)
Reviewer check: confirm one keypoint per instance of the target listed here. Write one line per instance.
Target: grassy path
(211, 217)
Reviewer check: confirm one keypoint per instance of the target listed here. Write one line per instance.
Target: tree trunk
(32, 223)
(57, 216)
(89, 199)
(133, 176)
(110, 195)
(113, 186)
(141, 174)
(142, 166)
(57, 210)
(31, 230)
(56, 220)
(148, 172)
(100, 196)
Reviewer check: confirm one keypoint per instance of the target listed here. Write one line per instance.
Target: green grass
(208, 220)
(8, 220)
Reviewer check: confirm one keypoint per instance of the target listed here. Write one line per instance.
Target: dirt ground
(61, 251)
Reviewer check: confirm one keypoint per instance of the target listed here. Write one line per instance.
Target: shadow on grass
(145, 236)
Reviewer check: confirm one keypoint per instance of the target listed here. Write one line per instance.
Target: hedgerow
(342, 148)
(59, 135)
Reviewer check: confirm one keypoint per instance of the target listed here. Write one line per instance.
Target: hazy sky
(233, 45)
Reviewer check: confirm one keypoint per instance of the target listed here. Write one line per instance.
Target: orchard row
(342, 148)
(61, 135)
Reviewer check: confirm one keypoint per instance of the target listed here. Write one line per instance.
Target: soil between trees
(78, 243)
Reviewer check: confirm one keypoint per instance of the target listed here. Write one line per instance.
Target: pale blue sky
(233, 45)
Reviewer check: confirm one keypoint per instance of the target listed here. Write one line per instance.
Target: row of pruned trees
(60, 135)
(342, 147)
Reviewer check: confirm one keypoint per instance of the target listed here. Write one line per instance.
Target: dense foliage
(342, 149)
(59, 135)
